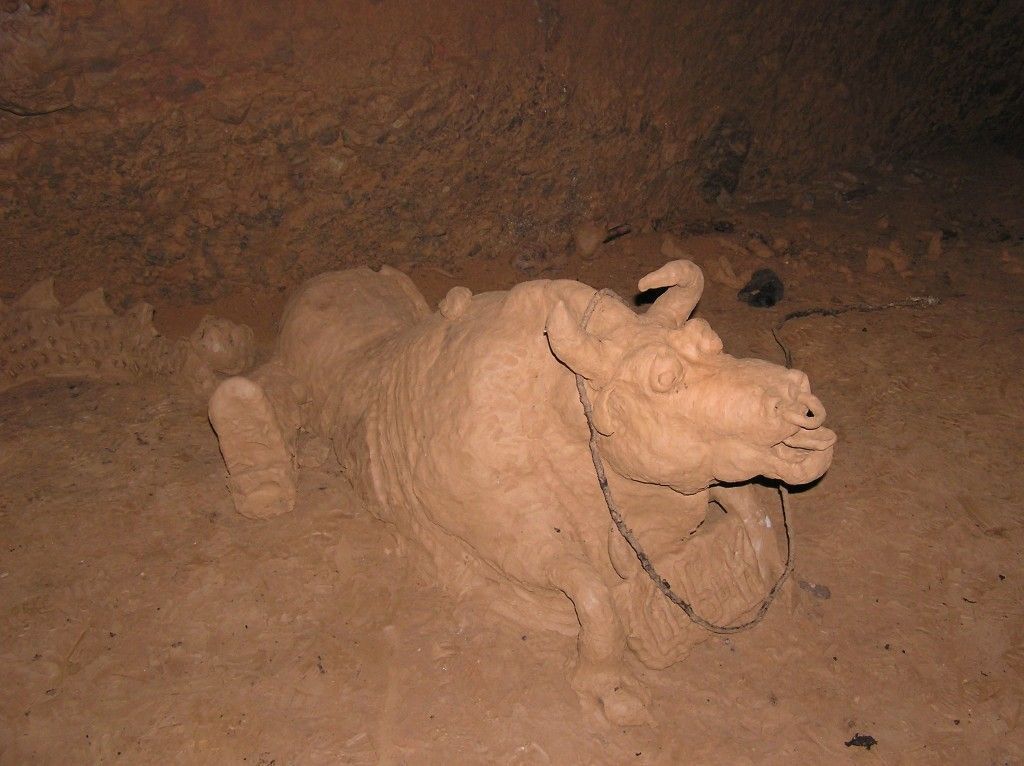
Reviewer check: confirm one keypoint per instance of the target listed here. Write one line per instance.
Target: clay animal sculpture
(464, 430)
(41, 339)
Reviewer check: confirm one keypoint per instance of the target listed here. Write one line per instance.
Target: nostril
(814, 411)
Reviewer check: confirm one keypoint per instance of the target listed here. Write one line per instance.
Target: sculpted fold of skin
(464, 429)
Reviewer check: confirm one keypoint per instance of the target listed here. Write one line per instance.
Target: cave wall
(184, 150)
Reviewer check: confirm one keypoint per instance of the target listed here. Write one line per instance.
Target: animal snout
(804, 409)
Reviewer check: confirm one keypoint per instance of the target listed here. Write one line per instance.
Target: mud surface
(143, 621)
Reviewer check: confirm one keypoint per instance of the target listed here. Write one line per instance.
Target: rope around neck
(660, 582)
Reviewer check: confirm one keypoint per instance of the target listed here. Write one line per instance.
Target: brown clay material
(41, 339)
(464, 430)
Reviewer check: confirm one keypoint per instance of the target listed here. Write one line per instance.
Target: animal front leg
(257, 419)
(601, 676)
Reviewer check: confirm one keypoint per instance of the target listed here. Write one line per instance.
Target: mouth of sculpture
(803, 444)
(810, 438)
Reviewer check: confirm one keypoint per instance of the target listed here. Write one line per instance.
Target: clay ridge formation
(41, 339)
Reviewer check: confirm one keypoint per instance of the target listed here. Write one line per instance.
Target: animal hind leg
(256, 419)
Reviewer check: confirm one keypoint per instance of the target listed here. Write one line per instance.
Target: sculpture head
(673, 409)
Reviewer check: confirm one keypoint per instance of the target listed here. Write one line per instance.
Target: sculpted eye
(666, 372)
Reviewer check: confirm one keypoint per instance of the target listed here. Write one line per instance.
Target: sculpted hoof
(262, 494)
(614, 694)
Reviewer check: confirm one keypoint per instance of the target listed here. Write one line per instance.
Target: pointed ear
(607, 411)
(577, 349)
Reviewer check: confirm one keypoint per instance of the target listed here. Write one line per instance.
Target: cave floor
(143, 621)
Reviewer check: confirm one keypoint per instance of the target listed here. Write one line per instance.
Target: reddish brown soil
(144, 621)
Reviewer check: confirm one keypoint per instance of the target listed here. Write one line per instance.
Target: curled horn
(574, 347)
(685, 284)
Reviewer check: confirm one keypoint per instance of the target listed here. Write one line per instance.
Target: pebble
(898, 258)
(1012, 264)
(803, 201)
(231, 110)
(759, 248)
(879, 257)
(816, 589)
(876, 260)
(723, 273)
(588, 238)
(671, 248)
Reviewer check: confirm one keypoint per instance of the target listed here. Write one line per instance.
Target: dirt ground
(143, 621)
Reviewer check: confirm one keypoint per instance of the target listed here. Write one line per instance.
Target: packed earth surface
(143, 617)
(142, 620)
